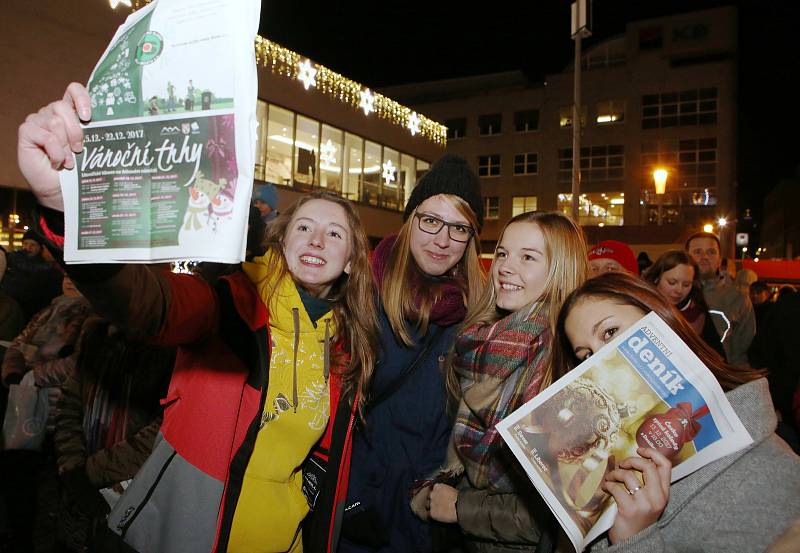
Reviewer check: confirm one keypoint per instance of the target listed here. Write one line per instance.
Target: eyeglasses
(458, 232)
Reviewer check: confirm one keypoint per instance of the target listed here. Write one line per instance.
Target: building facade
(317, 129)
(663, 94)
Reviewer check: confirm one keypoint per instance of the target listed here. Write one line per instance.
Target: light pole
(580, 30)
(660, 178)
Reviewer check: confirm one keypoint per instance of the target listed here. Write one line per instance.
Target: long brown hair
(354, 310)
(668, 261)
(625, 289)
(403, 300)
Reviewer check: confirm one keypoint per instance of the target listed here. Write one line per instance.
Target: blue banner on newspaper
(651, 359)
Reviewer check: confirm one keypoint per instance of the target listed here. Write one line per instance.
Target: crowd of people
(321, 398)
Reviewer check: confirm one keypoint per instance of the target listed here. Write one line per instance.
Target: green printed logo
(149, 48)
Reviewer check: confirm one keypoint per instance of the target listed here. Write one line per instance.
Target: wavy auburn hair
(625, 289)
(354, 310)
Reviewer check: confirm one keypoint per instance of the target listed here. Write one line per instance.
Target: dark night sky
(388, 43)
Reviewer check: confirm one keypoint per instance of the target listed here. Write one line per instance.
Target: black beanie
(450, 175)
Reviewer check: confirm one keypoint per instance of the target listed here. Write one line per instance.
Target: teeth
(311, 259)
(511, 287)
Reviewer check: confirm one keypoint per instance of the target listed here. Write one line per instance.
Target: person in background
(738, 504)
(106, 424)
(731, 310)
(31, 278)
(12, 319)
(644, 262)
(265, 199)
(501, 360)
(427, 277)
(776, 348)
(744, 279)
(612, 255)
(676, 276)
(760, 293)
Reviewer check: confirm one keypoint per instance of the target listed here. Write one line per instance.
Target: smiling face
(318, 245)
(520, 269)
(676, 283)
(436, 254)
(593, 322)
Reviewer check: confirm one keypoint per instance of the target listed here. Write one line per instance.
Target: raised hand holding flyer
(167, 167)
(645, 388)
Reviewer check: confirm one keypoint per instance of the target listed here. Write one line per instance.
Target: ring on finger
(634, 490)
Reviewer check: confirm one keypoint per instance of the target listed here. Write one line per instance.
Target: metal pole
(660, 201)
(576, 132)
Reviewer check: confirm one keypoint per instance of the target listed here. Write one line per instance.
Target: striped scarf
(500, 366)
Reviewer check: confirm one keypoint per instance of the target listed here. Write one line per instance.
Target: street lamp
(660, 179)
(708, 227)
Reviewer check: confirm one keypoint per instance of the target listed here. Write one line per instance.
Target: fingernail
(85, 114)
(77, 146)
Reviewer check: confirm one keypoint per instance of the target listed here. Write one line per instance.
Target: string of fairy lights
(285, 62)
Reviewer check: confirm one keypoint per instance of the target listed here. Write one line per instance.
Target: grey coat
(740, 503)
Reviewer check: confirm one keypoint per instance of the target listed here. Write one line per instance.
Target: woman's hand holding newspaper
(640, 486)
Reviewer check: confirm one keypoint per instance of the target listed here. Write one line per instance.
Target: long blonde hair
(568, 268)
(354, 310)
(403, 300)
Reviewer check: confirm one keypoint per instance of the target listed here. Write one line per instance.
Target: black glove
(83, 493)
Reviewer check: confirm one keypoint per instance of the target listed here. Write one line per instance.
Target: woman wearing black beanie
(427, 275)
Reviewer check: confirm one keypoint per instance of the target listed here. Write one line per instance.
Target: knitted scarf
(500, 366)
(448, 309)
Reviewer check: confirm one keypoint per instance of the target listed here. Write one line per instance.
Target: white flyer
(167, 166)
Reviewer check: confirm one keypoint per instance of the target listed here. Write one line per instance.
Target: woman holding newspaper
(272, 360)
(741, 502)
(501, 360)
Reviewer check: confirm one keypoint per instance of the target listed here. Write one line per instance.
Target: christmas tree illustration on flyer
(167, 166)
(643, 389)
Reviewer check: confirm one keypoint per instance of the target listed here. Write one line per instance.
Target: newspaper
(645, 388)
(167, 166)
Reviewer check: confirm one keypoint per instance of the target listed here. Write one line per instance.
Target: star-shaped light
(327, 153)
(367, 101)
(115, 3)
(389, 171)
(307, 74)
(413, 123)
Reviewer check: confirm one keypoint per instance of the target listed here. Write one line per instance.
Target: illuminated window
(596, 208)
(353, 167)
(280, 142)
(565, 117)
(491, 207)
(610, 112)
(522, 204)
(692, 166)
(330, 158)
(526, 164)
(489, 166)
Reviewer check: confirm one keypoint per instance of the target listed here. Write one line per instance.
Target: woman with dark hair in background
(740, 503)
(677, 278)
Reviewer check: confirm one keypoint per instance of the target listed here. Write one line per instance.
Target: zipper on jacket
(124, 524)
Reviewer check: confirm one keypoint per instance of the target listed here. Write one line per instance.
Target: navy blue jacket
(405, 439)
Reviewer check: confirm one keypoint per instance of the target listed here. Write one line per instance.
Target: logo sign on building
(742, 238)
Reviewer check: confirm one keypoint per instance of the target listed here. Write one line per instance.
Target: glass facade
(300, 152)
